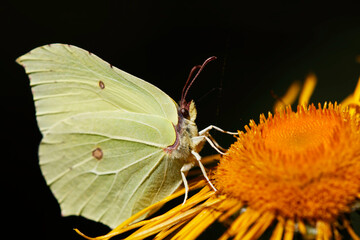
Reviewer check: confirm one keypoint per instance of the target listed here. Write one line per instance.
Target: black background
(261, 47)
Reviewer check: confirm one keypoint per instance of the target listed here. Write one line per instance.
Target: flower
(293, 172)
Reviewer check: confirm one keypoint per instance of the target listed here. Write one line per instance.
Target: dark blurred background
(261, 47)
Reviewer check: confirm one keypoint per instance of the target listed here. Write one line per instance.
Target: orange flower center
(303, 164)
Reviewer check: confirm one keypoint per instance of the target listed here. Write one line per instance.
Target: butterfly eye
(184, 112)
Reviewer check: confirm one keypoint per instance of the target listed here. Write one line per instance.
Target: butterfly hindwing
(106, 166)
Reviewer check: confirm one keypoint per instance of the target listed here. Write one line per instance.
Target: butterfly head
(188, 110)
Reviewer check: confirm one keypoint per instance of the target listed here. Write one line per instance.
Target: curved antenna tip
(189, 83)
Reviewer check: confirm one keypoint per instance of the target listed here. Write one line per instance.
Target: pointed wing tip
(20, 60)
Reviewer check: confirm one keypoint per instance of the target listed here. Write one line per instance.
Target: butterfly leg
(204, 134)
(198, 158)
(216, 143)
(207, 129)
(183, 170)
(199, 139)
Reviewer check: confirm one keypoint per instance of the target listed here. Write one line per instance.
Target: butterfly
(112, 143)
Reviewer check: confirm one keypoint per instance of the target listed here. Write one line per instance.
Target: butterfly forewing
(68, 80)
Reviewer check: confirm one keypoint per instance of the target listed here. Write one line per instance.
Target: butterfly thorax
(186, 130)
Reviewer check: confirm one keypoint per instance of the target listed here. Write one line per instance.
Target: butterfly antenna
(188, 83)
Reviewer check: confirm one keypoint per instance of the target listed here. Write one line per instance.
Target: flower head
(303, 164)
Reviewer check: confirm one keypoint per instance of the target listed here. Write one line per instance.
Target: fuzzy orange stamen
(299, 165)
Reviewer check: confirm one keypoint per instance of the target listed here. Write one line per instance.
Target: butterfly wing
(107, 166)
(67, 80)
(104, 132)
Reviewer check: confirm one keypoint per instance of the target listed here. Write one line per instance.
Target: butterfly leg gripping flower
(198, 158)
(184, 170)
